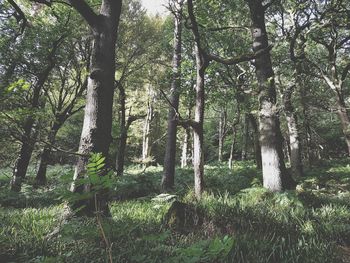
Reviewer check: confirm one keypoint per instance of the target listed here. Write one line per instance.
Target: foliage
(239, 224)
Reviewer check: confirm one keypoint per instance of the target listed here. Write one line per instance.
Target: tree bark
(245, 137)
(146, 144)
(293, 131)
(40, 178)
(186, 149)
(123, 132)
(170, 151)
(222, 133)
(257, 148)
(275, 177)
(187, 142)
(202, 63)
(23, 159)
(232, 149)
(96, 132)
(198, 137)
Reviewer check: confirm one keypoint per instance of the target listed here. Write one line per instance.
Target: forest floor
(236, 221)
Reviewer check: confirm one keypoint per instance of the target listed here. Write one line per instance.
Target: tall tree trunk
(293, 132)
(232, 149)
(222, 133)
(146, 144)
(170, 151)
(96, 133)
(257, 148)
(186, 149)
(275, 176)
(198, 136)
(202, 63)
(123, 132)
(187, 142)
(245, 137)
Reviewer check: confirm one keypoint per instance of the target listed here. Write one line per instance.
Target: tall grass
(241, 221)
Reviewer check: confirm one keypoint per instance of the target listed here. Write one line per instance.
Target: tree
(96, 133)
(330, 33)
(141, 33)
(170, 152)
(63, 95)
(274, 171)
(28, 138)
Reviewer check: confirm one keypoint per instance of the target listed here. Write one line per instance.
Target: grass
(240, 221)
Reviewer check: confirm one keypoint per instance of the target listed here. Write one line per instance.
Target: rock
(168, 198)
(182, 217)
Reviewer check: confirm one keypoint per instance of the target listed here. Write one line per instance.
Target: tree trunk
(146, 147)
(40, 178)
(123, 132)
(96, 133)
(202, 63)
(344, 121)
(245, 137)
(293, 131)
(222, 133)
(23, 159)
(186, 149)
(121, 152)
(198, 137)
(232, 149)
(275, 176)
(257, 148)
(170, 151)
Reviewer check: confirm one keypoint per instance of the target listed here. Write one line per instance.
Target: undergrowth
(241, 221)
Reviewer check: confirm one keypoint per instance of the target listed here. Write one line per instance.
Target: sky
(154, 6)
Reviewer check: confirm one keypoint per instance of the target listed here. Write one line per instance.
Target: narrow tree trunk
(286, 148)
(198, 137)
(245, 137)
(232, 149)
(40, 178)
(170, 151)
(22, 162)
(222, 133)
(121, 152)
(186, 149)
(202, 63)
(275, 176)
(187, 142)
(96, 133)
(293, 131)
(123, 133)
(146, 147)
(257, 148)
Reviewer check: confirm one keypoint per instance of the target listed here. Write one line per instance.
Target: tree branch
(85, 11)
(20, 15)
(238, 59)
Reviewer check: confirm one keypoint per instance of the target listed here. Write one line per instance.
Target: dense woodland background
(217, 133)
